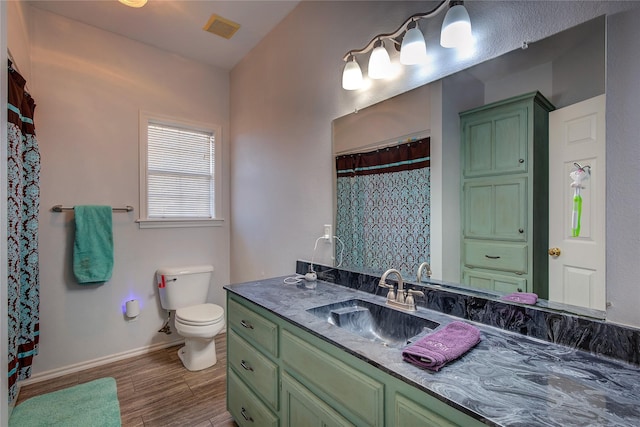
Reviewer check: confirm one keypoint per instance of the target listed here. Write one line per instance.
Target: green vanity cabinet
(505, 195)
(306, 381)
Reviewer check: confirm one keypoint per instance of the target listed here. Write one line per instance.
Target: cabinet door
(496, 209)
(495, 141)
(300, 407)
(409, 413)
(333, 380)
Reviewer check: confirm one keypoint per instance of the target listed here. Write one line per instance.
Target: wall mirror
(567, 69)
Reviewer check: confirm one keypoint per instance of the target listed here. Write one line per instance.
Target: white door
(577, 135)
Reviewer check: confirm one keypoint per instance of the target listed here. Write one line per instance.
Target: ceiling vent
(221, 27)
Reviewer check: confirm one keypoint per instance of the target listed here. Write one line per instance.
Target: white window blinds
(180, 172)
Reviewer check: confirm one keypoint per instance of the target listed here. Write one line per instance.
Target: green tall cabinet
(505, 218)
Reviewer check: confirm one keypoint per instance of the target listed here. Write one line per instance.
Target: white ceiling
(176, 25)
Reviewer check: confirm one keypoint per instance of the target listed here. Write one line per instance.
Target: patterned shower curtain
(23, 193)
(383, 208)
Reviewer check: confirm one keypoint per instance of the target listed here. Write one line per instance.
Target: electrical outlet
(327, 233)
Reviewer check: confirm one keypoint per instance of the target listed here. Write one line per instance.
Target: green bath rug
(92, 404)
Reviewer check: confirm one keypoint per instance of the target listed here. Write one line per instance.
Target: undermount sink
(391, 328)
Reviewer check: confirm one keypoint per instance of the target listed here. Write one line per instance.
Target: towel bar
(60, 208)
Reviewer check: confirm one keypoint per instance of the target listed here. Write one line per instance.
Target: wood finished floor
(155, 389)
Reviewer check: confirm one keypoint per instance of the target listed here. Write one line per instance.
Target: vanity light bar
(456, 32)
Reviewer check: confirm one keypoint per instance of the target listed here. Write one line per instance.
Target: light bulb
(456, 28)
(414, 48)
(352, 75)
(133, 3)
(379, 62)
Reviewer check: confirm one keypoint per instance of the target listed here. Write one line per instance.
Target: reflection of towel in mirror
(435, 350)
(521, 297)
(93, 244)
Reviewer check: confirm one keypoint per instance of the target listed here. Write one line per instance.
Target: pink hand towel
(435, 350)
(521, 297)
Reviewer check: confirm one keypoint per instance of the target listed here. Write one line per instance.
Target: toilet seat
(200, 315)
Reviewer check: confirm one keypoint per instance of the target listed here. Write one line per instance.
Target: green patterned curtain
(383, 208)
(23, 194)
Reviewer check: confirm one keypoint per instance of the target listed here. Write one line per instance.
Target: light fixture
(133, 3)
(352, 75)
(456, 27)
(379, 62)
(414, 48)
(409, 40)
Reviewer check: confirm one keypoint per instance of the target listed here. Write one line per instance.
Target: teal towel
(93, 245)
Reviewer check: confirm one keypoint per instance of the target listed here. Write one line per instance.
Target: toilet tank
(183, 286)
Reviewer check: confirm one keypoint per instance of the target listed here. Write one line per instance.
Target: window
(179, 172)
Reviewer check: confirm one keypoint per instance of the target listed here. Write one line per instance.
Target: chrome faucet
(395, 296)
(422, 267)
(402, 299)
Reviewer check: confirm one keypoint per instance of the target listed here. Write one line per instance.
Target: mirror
(566, 68)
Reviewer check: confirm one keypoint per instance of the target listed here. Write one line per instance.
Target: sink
(379, 323)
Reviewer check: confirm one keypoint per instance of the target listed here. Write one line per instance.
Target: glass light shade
(352, 75)
(134, 3)
(414, 48)
(456, 28)
(379, 63)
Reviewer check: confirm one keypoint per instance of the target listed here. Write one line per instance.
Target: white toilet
(185, 289)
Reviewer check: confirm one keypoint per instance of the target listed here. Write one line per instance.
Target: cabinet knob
(554, 252)
(521, 161)
(521, 230)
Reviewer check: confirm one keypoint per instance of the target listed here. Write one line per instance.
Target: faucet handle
(391, 295)
(410, 293)
(384, 284)
(415, 292)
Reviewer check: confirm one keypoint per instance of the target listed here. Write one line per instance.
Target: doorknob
(554, 251)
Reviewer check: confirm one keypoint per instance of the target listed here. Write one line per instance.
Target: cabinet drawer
(255, 369)
(253, 327)
(496, 256)
(355, 391)
(245, 408)
(494, 282)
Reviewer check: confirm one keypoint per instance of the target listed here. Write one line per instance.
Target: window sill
(179, 223)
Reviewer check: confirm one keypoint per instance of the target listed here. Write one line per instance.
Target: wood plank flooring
(155, 389)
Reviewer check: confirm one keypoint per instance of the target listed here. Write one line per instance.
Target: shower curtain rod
(60, 208)
(392, 142)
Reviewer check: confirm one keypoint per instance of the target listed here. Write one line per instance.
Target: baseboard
(55, 373)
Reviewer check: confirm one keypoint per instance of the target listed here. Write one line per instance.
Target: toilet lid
(200, 314)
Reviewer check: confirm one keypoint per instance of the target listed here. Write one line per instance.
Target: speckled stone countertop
(506, 380)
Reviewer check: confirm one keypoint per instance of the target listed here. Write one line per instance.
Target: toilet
(184, 290)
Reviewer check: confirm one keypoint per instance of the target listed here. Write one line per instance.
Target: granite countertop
(506, 380)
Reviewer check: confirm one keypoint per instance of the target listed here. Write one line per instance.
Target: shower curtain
(23, 194)
(383, 208)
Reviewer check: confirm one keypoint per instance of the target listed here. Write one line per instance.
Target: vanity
(288, 366)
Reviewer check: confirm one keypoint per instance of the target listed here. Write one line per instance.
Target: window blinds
(180, 172)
